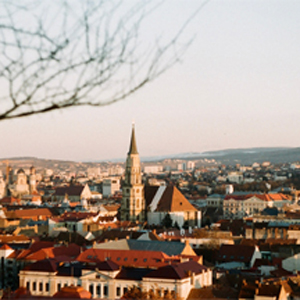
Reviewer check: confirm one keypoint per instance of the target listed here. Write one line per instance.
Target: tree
(65, 53)
(167, 221)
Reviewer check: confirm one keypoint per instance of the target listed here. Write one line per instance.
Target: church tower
(133, 201)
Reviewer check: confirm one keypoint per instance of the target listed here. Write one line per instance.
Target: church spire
(133, 148)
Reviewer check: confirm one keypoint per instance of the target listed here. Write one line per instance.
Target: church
(152, 203)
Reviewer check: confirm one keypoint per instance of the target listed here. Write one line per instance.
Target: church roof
(170, 199)
(132, 147)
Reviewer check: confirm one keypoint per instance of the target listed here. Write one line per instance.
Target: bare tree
(62, 53)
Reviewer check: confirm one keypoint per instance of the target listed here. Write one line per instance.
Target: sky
(237, 86)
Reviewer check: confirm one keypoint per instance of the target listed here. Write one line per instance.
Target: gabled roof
(169, 248)
(62, 253)
(171, 199)
(5, 247)
(178, 271)
(74, 190)
(263, 197)
(46, 265)
(9, 200)
(112, 207)
(235, 253)
(9, 239)
(108, 265)
(28, 213)
(77, 216)
(134, 258)
(118, 234)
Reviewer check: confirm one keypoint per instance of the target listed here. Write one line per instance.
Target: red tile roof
(8, 239)
(32, 213)
(62, 253)
(264, 197)
(177, 271)
(73, 292)
(5, 247)
(77, 216)
(136, 258)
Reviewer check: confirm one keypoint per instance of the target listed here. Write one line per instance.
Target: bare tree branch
(75, 53)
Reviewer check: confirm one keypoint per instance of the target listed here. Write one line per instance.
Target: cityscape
(149, 150)
(171, 229)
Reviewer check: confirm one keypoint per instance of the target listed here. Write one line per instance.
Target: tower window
(137, 203)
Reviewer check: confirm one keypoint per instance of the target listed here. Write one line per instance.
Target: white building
(240, 205)
(153, 169)
(235, 177)
(107, 280)
(110, 186)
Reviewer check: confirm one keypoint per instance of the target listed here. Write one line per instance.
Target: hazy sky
(237, 86)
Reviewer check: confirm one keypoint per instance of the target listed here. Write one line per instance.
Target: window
(118, 291)
(41, 286)
(34, 286)
(98, 290)
(145, 259)
(125, 259)
(91, 289)
(105, 290)
(125, 290)
(47, 287)
(28, 285)
(138, 203)
(58, 287)
(118, 258)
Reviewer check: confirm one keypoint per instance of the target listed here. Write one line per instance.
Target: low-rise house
(240, 256)
(240, 205)
(215, 200)
(75, 193)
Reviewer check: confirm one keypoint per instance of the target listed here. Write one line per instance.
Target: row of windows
(41, 287)
(98, 289)
(135, 203)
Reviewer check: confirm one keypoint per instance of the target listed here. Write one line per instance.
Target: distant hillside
(247, 156)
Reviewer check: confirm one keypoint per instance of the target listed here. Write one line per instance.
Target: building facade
(133, 206)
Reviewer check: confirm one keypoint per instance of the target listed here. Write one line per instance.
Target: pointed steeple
(133, 148)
